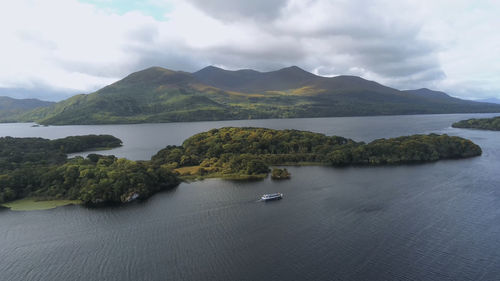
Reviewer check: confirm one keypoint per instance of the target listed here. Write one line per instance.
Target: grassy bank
(191, 173)
(189, 178)
(30, 204)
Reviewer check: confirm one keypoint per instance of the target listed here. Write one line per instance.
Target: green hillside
(10, 108)
(161, 95)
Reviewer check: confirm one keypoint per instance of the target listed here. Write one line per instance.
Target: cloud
(67, 46)
(237, 10)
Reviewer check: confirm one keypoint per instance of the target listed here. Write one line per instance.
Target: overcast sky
(52, 49)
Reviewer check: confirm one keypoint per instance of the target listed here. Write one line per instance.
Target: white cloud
(65, 45)
(46, 40)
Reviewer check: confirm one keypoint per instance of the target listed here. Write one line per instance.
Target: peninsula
(492, 124)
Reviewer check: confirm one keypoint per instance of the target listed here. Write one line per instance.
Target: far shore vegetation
(492, 124)
(39, 169)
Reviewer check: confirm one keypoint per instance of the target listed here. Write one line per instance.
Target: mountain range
(490, 100)
(10, 107)
(161, 95)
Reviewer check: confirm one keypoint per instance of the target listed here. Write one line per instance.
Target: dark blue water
(437, 221)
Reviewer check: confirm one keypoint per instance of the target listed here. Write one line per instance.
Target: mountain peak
(155, 76)
(294, 69)
(217, 70)
(209, 68)
(293, 73)
(424, 90)
(155, 69)
(251, 81)
(429, 93)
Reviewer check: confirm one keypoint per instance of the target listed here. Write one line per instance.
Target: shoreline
(33, 204)
(253, 119)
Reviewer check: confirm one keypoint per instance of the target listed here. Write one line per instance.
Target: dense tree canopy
(280, 174)
(81, 143)
(409, 149)
(39, 168)
(240, 151)
(492, 124)
(21, 151)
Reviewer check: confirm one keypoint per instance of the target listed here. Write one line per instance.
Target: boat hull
(271, 197)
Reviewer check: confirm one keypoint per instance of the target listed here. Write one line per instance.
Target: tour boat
(272, 196)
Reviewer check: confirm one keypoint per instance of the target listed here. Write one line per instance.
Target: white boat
(271, 196)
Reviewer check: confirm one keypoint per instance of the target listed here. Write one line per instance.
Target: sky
(52, 49)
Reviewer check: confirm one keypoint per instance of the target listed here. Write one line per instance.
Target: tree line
(249, 151)
(37, 167)
(492, 124)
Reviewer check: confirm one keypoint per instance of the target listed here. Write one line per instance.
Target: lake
(436, 221)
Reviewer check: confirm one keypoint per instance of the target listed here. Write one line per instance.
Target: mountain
(160, 95)
(251, 81)
(7, 103)
(10, 107)
(490, 100)
(424, 92)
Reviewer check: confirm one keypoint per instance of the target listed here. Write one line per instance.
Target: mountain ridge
(10, 107)
(158, 94)
(489, 100)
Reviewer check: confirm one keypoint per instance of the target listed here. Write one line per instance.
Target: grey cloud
(372, 38)
(107, 70)
(140, 45)
(355, 38)
(171, 58)
(265, 57)
(144, 34)
(395, 60)
(428, 78)
(364, 38)
(182, 57)
(236, 10)
(472, 88)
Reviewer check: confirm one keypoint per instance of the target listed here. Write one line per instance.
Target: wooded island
(492, 124)
(38, 168)
(247, 152)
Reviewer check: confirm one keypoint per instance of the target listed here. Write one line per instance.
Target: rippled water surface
(437, 221)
